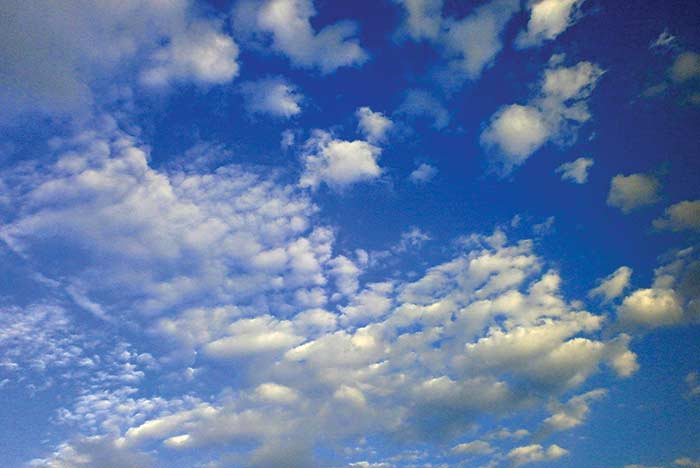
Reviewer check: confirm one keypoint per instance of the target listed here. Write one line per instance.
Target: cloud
(286, 26)
(472, 43)
(576, 171)
(665, 40)
(572, 413)
(516, 131)
(373, 125)
(673, 298)
(57, 58)
(686, 461)
(692, 380)
(422, 19)
(423, 173)
(651, 307)
(201, 55)
(548, 19)
(93, 451)
(274, 96)
(419, 103)
(338, 163)
(629, 193)
(475, 447)
(153, 239)
(535, 453)
(469, 45)
(686, 67)
(612, 286)
(681, 216)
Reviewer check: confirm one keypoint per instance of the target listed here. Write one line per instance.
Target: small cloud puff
(286, 25)
(273, 96)
(576, 171)
(423, 173)
(373, 125)
(548, 19)
(632, 192)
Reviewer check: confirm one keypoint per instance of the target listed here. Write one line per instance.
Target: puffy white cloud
(338, 163)
(634, 191)
(612, 286)
(576, 171)
(516, 131)
(572, 413)
(373, 125)
(548, 19)
(535, 453)
(423, 173)
(681, 216)
(200, 54)
(475, 447)
(274, 96)
(286, 24)
(651, 307)
(57, 55)
(419, 103)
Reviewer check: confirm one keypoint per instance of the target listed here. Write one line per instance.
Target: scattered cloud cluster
(516, 131)
(285, 27)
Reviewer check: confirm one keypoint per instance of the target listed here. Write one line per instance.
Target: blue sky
(315, 233)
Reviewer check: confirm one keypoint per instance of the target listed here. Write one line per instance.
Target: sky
(363, 234)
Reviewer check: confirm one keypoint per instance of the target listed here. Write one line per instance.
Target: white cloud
(576, 171)
(665, 40)
(548, 19)
(475, 447)
(535, 453)
(274, 96)
(472, 43)
(423, 173)
(423, 18)
(373, 125)
(200, 54)
(338, 163)
(613, 285)
(681, 216)
(225, 236)
(57, 57)
(516, 131)
(634, 191)
(419, 103)
(286, 23)
(572, 413)
(651, 307)
(93, 451)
